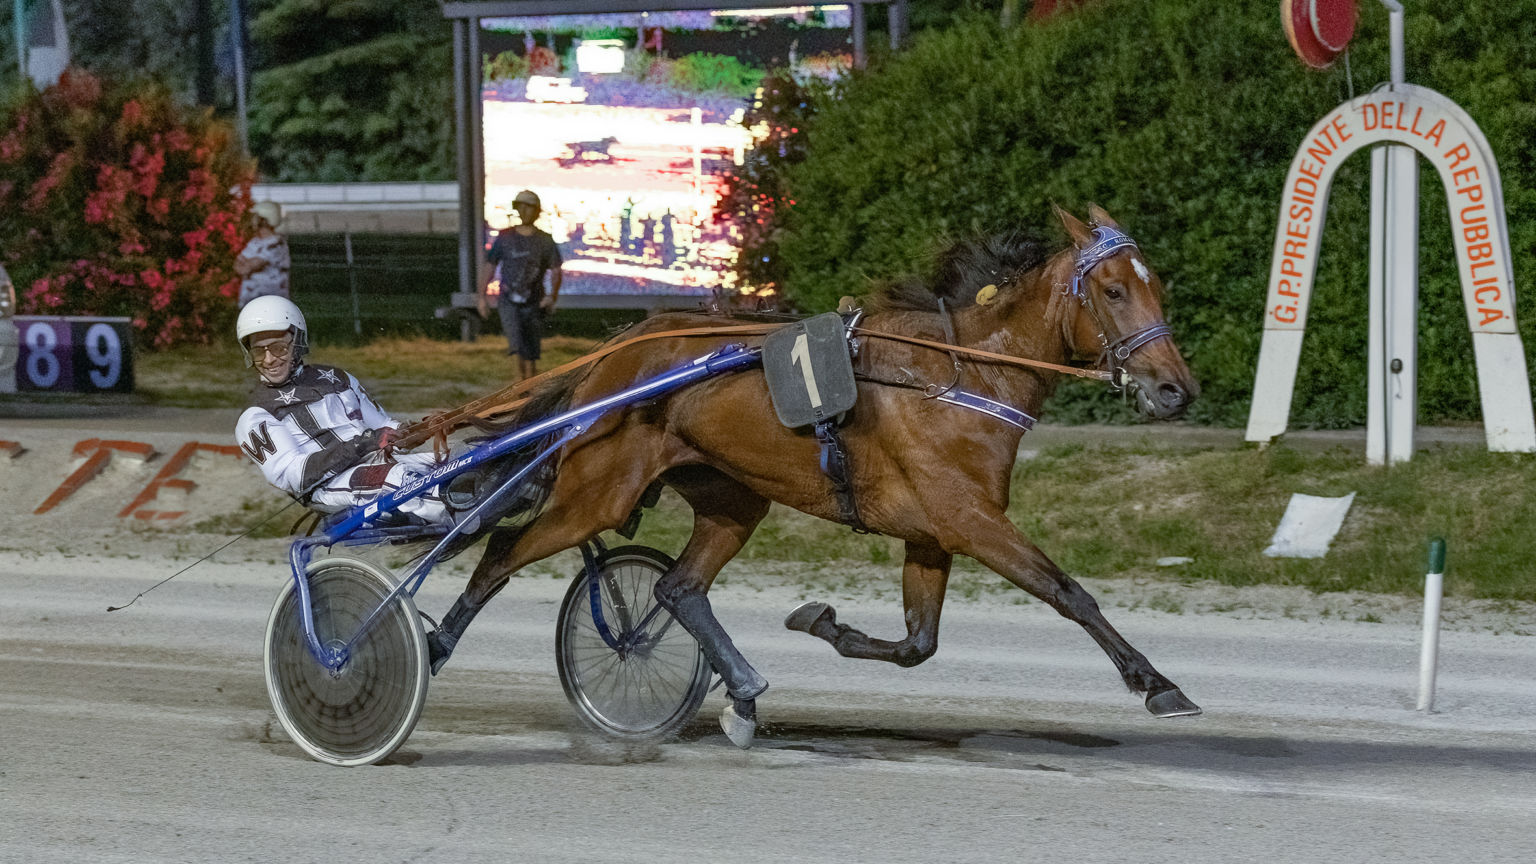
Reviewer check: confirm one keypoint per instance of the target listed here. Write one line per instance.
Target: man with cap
(263, 264)
(521, 256)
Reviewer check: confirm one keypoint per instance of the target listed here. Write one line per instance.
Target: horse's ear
(1097, 216)
(1081, 234)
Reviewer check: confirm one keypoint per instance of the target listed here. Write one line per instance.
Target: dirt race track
(145, 734)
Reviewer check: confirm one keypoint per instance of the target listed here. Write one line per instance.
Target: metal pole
(1395, 209)
(1378, 383)
(20, 16)
(237, 38)
(1434, 582)
(896, 19)
(1395, 39)
(477, 137)
(860, 53)
(357, 318)
(466, 168)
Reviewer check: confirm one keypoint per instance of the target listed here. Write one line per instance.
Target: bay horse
(922, 466)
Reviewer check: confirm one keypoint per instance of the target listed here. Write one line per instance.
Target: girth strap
(834, 464)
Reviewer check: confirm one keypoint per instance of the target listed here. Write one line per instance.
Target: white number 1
(800, 355)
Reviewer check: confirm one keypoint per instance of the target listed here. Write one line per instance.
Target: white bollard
(1434, 585)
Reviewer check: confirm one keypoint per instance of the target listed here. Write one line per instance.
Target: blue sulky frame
(358, 526)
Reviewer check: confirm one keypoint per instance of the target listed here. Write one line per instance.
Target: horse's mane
(961, 270)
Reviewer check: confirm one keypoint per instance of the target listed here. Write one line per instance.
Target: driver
(312, 430)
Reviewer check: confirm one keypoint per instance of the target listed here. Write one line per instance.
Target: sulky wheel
(631, 671)
(366, 709)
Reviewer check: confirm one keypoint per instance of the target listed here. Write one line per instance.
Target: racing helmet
(272, 312)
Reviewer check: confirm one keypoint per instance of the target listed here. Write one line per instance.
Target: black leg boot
(441, 642)
(692, 610)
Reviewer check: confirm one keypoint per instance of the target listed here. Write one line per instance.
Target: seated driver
(313, 430)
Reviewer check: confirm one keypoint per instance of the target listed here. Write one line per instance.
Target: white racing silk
(321, 425)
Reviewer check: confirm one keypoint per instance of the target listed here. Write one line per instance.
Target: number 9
(105, 351)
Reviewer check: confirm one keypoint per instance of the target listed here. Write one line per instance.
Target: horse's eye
(1113, 292)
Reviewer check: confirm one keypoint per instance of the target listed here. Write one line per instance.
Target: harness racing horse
(922, 466)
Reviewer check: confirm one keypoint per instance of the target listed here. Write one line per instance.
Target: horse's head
(1115, 312)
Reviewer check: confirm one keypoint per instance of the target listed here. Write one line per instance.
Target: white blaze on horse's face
(1142, 271)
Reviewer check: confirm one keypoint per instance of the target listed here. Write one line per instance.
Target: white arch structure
(1440, 131)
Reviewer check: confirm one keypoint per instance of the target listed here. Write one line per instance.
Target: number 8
(42, 366)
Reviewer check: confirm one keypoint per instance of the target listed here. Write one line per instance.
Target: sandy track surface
(145, 734)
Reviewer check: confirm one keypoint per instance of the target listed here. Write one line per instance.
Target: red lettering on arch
(1436, 132)
(1458, 154)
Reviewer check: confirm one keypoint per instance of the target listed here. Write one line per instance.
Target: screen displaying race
(627, 125)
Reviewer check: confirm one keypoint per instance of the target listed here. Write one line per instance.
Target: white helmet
(272, 312)
(271, 211)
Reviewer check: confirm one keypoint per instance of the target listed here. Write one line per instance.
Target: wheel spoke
(658, 682)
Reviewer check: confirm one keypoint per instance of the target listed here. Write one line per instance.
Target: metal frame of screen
(468, 119)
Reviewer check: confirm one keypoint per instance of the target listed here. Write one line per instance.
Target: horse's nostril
(1172, 395)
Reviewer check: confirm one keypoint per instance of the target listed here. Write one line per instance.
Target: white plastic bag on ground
(1308, 526)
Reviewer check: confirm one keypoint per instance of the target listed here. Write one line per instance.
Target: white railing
(355, 197)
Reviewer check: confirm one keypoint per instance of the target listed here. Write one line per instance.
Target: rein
(437, 426)
(988, 356)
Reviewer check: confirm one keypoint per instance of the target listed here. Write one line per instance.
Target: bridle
(1106, 242)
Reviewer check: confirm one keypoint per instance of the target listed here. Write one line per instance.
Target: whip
(241, 536)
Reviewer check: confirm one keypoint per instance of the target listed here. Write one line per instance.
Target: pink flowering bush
(116, 200)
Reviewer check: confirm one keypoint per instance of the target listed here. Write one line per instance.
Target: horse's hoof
(805, 615)
(1171, 703)
(739, 729)
(439, 648)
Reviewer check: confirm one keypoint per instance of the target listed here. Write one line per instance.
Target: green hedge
(1180, 118)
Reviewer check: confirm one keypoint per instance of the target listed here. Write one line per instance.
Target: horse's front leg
(993, 540)
(725, 513)
(923, 579)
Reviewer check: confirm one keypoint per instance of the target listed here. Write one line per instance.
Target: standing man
(521, 256)
(263, 264)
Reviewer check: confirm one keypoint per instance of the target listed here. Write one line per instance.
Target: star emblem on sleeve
(329, 375)
(288, 397)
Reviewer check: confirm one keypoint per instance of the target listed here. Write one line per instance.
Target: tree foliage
(359, 90)
(116, 200)
(754, 199)
(1181, 119)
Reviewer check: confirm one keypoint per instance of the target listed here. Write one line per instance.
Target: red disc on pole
(1296, 15)
(1333, 22)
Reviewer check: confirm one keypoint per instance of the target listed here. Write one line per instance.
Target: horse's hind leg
(991, 539)
(588, 498)
(923, 579)
(725, 513)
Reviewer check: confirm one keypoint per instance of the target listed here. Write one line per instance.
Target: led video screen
(626, 126)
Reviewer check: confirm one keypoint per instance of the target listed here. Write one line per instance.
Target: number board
(810, 375)
(74, 354)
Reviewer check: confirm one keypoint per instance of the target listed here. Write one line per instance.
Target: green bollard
(1434, 587)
